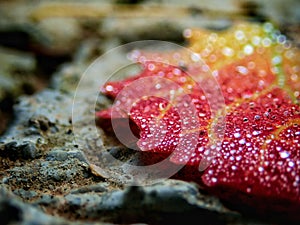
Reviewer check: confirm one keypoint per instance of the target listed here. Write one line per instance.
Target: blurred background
(36, 37)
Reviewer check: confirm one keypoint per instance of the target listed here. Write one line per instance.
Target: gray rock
(19, 150)
(63, 154)
(167, 202)
(15, 212)
(25, 194)
(97, 188)
(59, 171)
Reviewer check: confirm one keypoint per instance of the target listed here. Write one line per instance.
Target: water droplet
(214, 179)
(109, 88)
(268, 27)
(238, 158)
(227, 51)
(284, 155)
(256, 40)
(248, 49)
(242, 70)
(266, 42)
(177, 71)
(261, 83)
(151, 67)
(242, 141)
(236, 135)
(294, 77)
(239, 35)
(276, 60)
(251, 104)
(257, 117)
(195, 57)
(201, 114)
(187, 33)
(161, 106)
(255, 133)
(158, 86)
(281, 39)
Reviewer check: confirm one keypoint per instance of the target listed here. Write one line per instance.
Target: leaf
(258, 157)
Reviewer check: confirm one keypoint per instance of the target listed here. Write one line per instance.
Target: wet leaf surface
(255, 161)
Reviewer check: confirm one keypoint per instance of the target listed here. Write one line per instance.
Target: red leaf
(258, 160)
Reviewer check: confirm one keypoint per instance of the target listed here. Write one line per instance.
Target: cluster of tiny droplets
(262, 137)
(254, 149)
(245, 41)
(242, 40)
